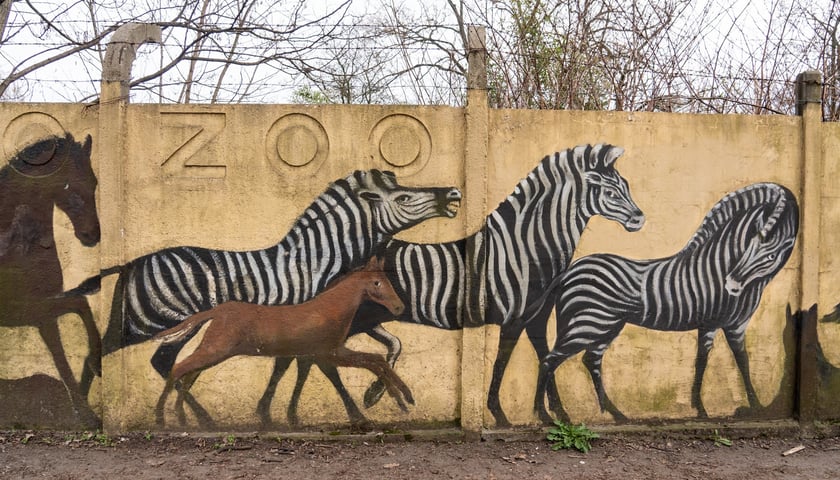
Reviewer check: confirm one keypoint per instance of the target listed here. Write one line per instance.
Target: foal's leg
(705, 340)
(345, 357)
(304, 365)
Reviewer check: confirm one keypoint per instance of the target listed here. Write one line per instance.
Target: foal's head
(378, 288)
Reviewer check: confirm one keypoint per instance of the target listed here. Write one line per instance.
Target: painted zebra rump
(339, 231)
(714, 282)
(525, 243)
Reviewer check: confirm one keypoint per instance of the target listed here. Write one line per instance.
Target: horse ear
(38, 159)
(88, 145)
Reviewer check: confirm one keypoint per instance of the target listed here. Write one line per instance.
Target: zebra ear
(609, 154)
(759, 225)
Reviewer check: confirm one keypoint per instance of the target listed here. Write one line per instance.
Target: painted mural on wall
(523, 246)
(54, 172)
(301, 298)
(714, 283)
(342, 229)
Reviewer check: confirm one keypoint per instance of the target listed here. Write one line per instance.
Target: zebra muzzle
(733, 287)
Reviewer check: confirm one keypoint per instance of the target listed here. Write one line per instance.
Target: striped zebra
(340, 230)
(523, 245)
(714, 282)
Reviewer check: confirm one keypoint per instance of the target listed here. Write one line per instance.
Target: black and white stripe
(522, 247)
(340, 230)
(714, 282)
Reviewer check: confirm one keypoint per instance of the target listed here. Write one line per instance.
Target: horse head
(378, 287)
(61, 169)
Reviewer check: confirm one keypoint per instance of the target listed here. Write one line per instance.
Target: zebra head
(394, 207)
(605, 191)
(770, 245)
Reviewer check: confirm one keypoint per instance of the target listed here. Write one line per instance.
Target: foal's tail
(183, 329)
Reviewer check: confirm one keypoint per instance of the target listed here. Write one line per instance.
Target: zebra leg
(507, 341)
(281, 364)
(735, 340)
(705, 340)
(304, 365)
(535, 330)
(184, 395)
(394, 346)
(353, 412)
(163, 360)
(548, 365)
(593, 359)
(167, 389)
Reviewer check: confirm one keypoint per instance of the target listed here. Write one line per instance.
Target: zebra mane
(738, 202)
(575, 161)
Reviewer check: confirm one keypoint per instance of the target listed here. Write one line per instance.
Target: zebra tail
(182, 330)
(92, 284)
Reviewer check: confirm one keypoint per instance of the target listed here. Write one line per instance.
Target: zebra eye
(610, 194)
(403, 199)
(771, 256)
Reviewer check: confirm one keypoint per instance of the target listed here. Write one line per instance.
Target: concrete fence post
(111, 148)
(473, 391)
(808, 106)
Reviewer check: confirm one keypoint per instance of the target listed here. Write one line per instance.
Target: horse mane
(738, 202)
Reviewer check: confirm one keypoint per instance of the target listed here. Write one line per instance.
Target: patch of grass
(720, 440)
(227, 442)
(565, 435)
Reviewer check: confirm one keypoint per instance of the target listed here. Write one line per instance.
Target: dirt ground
(665, 455)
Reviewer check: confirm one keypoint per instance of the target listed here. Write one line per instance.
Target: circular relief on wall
(29, 128)
(402, 142)
(296, 140)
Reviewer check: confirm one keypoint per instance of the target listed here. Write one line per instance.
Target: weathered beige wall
(214, 176)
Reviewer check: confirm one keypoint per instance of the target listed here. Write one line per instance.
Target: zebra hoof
(374, 393)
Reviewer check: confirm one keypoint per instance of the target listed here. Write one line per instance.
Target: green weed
(565, 435)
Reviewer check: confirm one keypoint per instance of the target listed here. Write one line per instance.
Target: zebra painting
(714, 282)
(340, 230)
(525, 243)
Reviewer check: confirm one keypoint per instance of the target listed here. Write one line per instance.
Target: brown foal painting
(316, 329)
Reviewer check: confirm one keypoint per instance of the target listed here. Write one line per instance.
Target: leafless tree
(212, 51)
(713, 56)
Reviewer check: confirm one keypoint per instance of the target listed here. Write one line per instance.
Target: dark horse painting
(53, 172)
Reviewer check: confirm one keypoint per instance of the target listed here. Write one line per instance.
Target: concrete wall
(236, 178)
